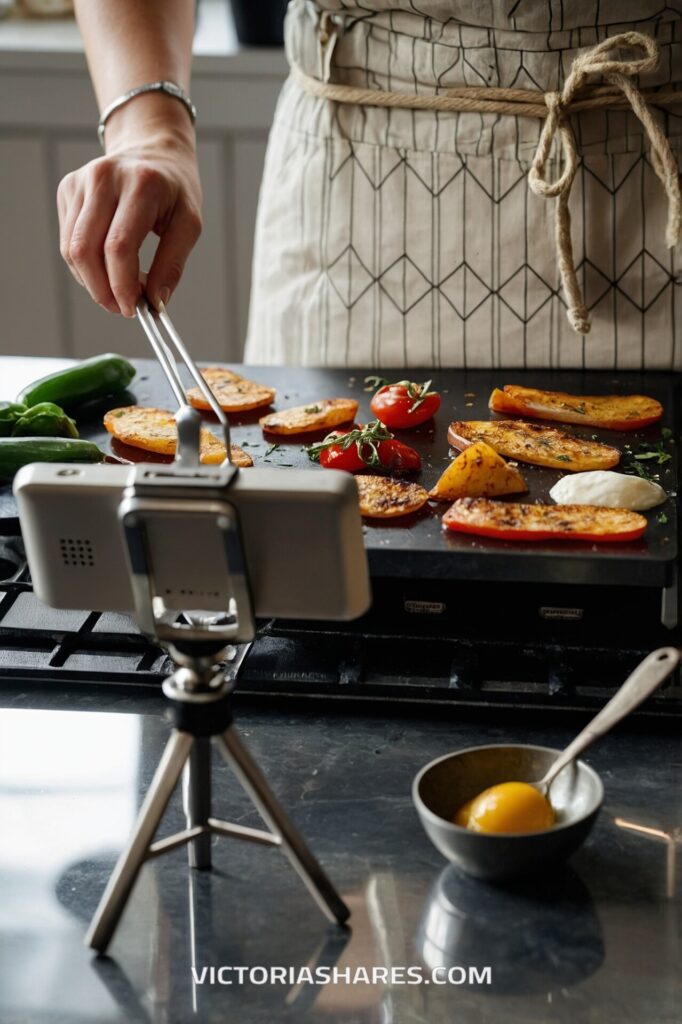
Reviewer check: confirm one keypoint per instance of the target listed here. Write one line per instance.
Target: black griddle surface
(417, 546)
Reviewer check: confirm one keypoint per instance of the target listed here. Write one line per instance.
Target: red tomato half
(404, 405)
(338, 458)
(399, 457)
(392, 454)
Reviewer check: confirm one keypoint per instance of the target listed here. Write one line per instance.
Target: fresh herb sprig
(366, 439)
(417, 392)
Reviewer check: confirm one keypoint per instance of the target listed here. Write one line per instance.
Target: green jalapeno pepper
(10, 412)
(45, 420)
(16, 452)
(91, 378)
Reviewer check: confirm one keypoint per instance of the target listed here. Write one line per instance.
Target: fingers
(133, 220)
(87, 244)
(107, 209)
(69, 205)
(86, 202)
(175, 245)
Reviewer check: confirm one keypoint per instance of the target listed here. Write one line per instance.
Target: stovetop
(420, 646)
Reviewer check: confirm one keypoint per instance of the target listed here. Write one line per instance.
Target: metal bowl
(442, 786)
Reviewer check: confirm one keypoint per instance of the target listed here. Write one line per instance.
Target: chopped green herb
(272, 448)
(666, 433)
(662, 519)
(311, 408)
(564, 458)
(640, 470)
(595, 438)
(574, 408)
(657, 453)
(374, 383)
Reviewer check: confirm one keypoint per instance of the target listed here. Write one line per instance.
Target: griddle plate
(416, 546)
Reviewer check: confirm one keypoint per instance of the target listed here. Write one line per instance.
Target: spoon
(639, 685)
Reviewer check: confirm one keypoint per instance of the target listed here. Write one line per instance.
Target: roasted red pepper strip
(514, 521)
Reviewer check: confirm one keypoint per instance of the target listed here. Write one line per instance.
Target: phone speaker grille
(77, 551)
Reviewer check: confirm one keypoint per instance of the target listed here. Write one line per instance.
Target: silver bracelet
(170, 88)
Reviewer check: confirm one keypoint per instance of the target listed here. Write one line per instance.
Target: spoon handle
(639, 685)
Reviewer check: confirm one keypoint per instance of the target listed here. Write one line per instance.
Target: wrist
(150, 116)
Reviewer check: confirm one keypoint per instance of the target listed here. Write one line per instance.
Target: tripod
(200, 695)
(153, 508)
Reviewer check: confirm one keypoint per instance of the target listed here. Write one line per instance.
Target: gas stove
(527, 648)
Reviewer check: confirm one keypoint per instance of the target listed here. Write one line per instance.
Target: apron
(398, 238)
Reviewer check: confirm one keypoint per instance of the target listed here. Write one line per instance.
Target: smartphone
(299, 534)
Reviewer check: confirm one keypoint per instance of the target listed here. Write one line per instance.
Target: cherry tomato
(399, 457)
(371, 447)
(336, 457)
(404, 405)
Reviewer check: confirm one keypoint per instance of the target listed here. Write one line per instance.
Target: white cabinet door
(31, 317)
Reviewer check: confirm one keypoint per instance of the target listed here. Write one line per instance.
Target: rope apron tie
(555, 108)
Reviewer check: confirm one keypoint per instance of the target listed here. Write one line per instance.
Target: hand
(108, 207)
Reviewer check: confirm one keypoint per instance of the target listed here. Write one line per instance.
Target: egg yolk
(507, 807)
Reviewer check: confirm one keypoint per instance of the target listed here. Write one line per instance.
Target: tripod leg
(253, 781)
(125, 873)
(196, 790)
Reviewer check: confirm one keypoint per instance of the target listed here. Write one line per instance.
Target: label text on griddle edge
(425, 607)
(549, 612)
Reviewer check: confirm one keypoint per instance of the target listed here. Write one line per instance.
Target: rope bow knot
(619, 74)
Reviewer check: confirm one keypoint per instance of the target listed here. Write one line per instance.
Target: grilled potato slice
(234, 393)
(511, 521)
(615, 412)
(154, 430)
(384, 498)
(321, 415)
(531, 442)
(478, 471)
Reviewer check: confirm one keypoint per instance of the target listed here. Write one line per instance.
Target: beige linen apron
(391, 238)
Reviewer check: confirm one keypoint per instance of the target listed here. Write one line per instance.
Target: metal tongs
(187, 418)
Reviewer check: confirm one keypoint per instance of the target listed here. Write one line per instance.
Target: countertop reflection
(599, 940)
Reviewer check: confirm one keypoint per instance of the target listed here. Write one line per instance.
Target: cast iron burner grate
(390, 658)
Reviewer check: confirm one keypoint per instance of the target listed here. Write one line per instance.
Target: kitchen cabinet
(47, 127)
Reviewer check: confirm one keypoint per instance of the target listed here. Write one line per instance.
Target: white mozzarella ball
(608, 489)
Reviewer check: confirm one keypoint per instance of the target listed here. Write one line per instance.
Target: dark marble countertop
(598, 941)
